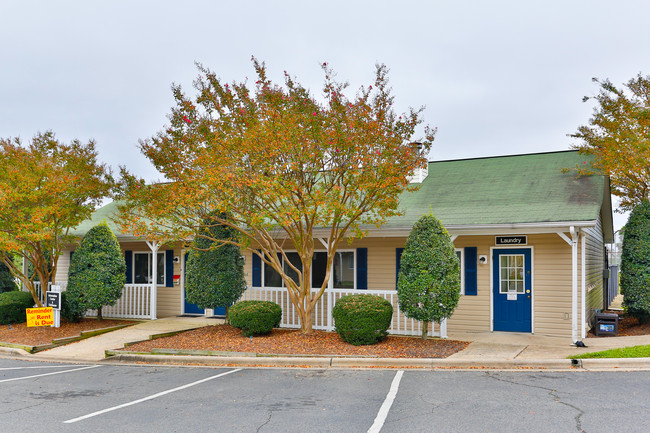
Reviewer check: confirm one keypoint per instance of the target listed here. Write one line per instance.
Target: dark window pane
(318, 269)
(160, 270)
(141, 268)
(343, 274)
(294, 258)
(271, 277)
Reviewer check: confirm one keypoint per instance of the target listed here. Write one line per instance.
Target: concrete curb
(421, 363)
(12, 351)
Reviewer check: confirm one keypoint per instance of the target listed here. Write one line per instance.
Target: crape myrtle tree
(618, 135)
(291, 171)
(46, 189)
(635, 263)
(97, 271)
(215, 269)
(428, 285)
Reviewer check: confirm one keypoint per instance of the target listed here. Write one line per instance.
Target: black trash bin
(606, 324)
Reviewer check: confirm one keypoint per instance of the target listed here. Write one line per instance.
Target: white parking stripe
(48, 374)
(151, 397)
(383, 410)
(35, 366)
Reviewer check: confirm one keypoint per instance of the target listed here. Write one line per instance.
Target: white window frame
(462, 269)
(330, 282)
(149, 266)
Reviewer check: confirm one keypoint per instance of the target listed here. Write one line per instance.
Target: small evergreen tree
(97, 270)
(428, 287)
(215, 270)
(635, 263)
(7, 280)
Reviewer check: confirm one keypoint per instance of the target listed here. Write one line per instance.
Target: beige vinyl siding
(551, 285)
(63, 266)
(595, 264)
(552, 279)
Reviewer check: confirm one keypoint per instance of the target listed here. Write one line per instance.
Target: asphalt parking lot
(99, 398)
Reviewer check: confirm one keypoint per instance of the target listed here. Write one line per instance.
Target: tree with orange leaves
(290, 171)
(618, 135)
(46, 189)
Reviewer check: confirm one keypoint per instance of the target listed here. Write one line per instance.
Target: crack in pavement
(22, 408)
(270, 412)
(552, 392)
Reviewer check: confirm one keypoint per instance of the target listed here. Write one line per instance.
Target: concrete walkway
(497, 350)
(93, 349)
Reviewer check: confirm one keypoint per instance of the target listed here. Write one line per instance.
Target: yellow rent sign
(40, 316)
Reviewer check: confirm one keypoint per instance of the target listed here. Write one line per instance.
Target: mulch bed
(627, 326)
(225, 338)
(19, 333)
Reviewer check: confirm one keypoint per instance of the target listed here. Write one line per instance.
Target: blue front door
(189, 308)
(512, 289)
(193, 308)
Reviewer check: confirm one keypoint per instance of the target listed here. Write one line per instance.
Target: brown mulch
(225, 338)
(627, 326)
(19, 333)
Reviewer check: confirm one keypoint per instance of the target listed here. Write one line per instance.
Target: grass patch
(625, 352)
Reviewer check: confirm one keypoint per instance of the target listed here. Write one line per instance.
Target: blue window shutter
(257, 270)
(128, 258)
(398, 263)
(169, 268)
(470, 271)
(362, 268)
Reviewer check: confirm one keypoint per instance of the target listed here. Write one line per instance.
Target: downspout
(583, 288)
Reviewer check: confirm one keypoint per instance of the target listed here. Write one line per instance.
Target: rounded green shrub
(71, 310)
(255, 317)
(635, 263)
(97, 271)
(13, 305)
(428, 286)
(362, 319)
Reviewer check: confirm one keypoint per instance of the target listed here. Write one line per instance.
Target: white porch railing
(322, 315)
(135, 302)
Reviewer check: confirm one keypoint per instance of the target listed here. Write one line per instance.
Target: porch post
(153, 245)
(574, 284)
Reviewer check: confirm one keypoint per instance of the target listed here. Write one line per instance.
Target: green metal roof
(482, 191)
(104, 213)
(505, 190)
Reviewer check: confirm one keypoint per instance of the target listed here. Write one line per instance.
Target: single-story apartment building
(529, 232)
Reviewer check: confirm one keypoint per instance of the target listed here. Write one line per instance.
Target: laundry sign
(511, 240)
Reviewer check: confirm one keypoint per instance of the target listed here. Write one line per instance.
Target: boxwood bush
(255, 317)
(362, 319)
(13, 305)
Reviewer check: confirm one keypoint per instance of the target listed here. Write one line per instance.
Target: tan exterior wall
(595, 265)
(552, 279)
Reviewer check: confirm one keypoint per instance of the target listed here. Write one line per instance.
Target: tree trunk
(99, 314)
(306, 325)
(425, 330)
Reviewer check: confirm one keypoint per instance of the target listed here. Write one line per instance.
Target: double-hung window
(343, 273)
(143, 267)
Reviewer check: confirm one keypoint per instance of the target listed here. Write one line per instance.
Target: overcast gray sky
(496, 77)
